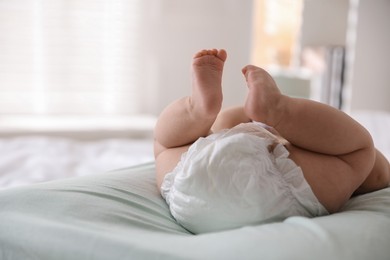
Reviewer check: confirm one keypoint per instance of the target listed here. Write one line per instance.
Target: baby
(220, 170)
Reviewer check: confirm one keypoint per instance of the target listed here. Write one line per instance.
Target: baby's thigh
(167, 160)
(229, 118)
(332, 178)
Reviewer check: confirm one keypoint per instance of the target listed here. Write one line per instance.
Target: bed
(120, 214)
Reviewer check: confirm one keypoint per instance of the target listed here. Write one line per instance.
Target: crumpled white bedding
(121, 215)
(32, 159)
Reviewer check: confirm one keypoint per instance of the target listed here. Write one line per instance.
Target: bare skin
(336, 154)
(189, 118)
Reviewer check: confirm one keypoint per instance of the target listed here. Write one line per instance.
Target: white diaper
(231, 179)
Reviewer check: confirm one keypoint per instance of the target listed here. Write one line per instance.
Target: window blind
(69, 57)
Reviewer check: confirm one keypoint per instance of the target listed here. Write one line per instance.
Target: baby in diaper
(234, 178)
(220, 170)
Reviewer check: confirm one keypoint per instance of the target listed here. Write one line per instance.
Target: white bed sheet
(32, 159)
(121, 215)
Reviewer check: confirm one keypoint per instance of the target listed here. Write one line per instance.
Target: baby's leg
(189, 118)
(229, 118)
(335, 153)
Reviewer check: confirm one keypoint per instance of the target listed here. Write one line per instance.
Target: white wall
(370, 82)
(332, 22)
(178, 29)
(324, 22)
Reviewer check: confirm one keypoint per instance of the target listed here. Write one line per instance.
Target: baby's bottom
(378, 178)
(232, 179)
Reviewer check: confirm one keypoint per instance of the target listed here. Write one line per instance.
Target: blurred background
(83, 81)
(111, 64)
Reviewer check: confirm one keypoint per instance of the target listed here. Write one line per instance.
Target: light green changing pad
(120, 215)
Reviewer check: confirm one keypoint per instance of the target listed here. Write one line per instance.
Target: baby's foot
(263, 102)
(207, 70)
